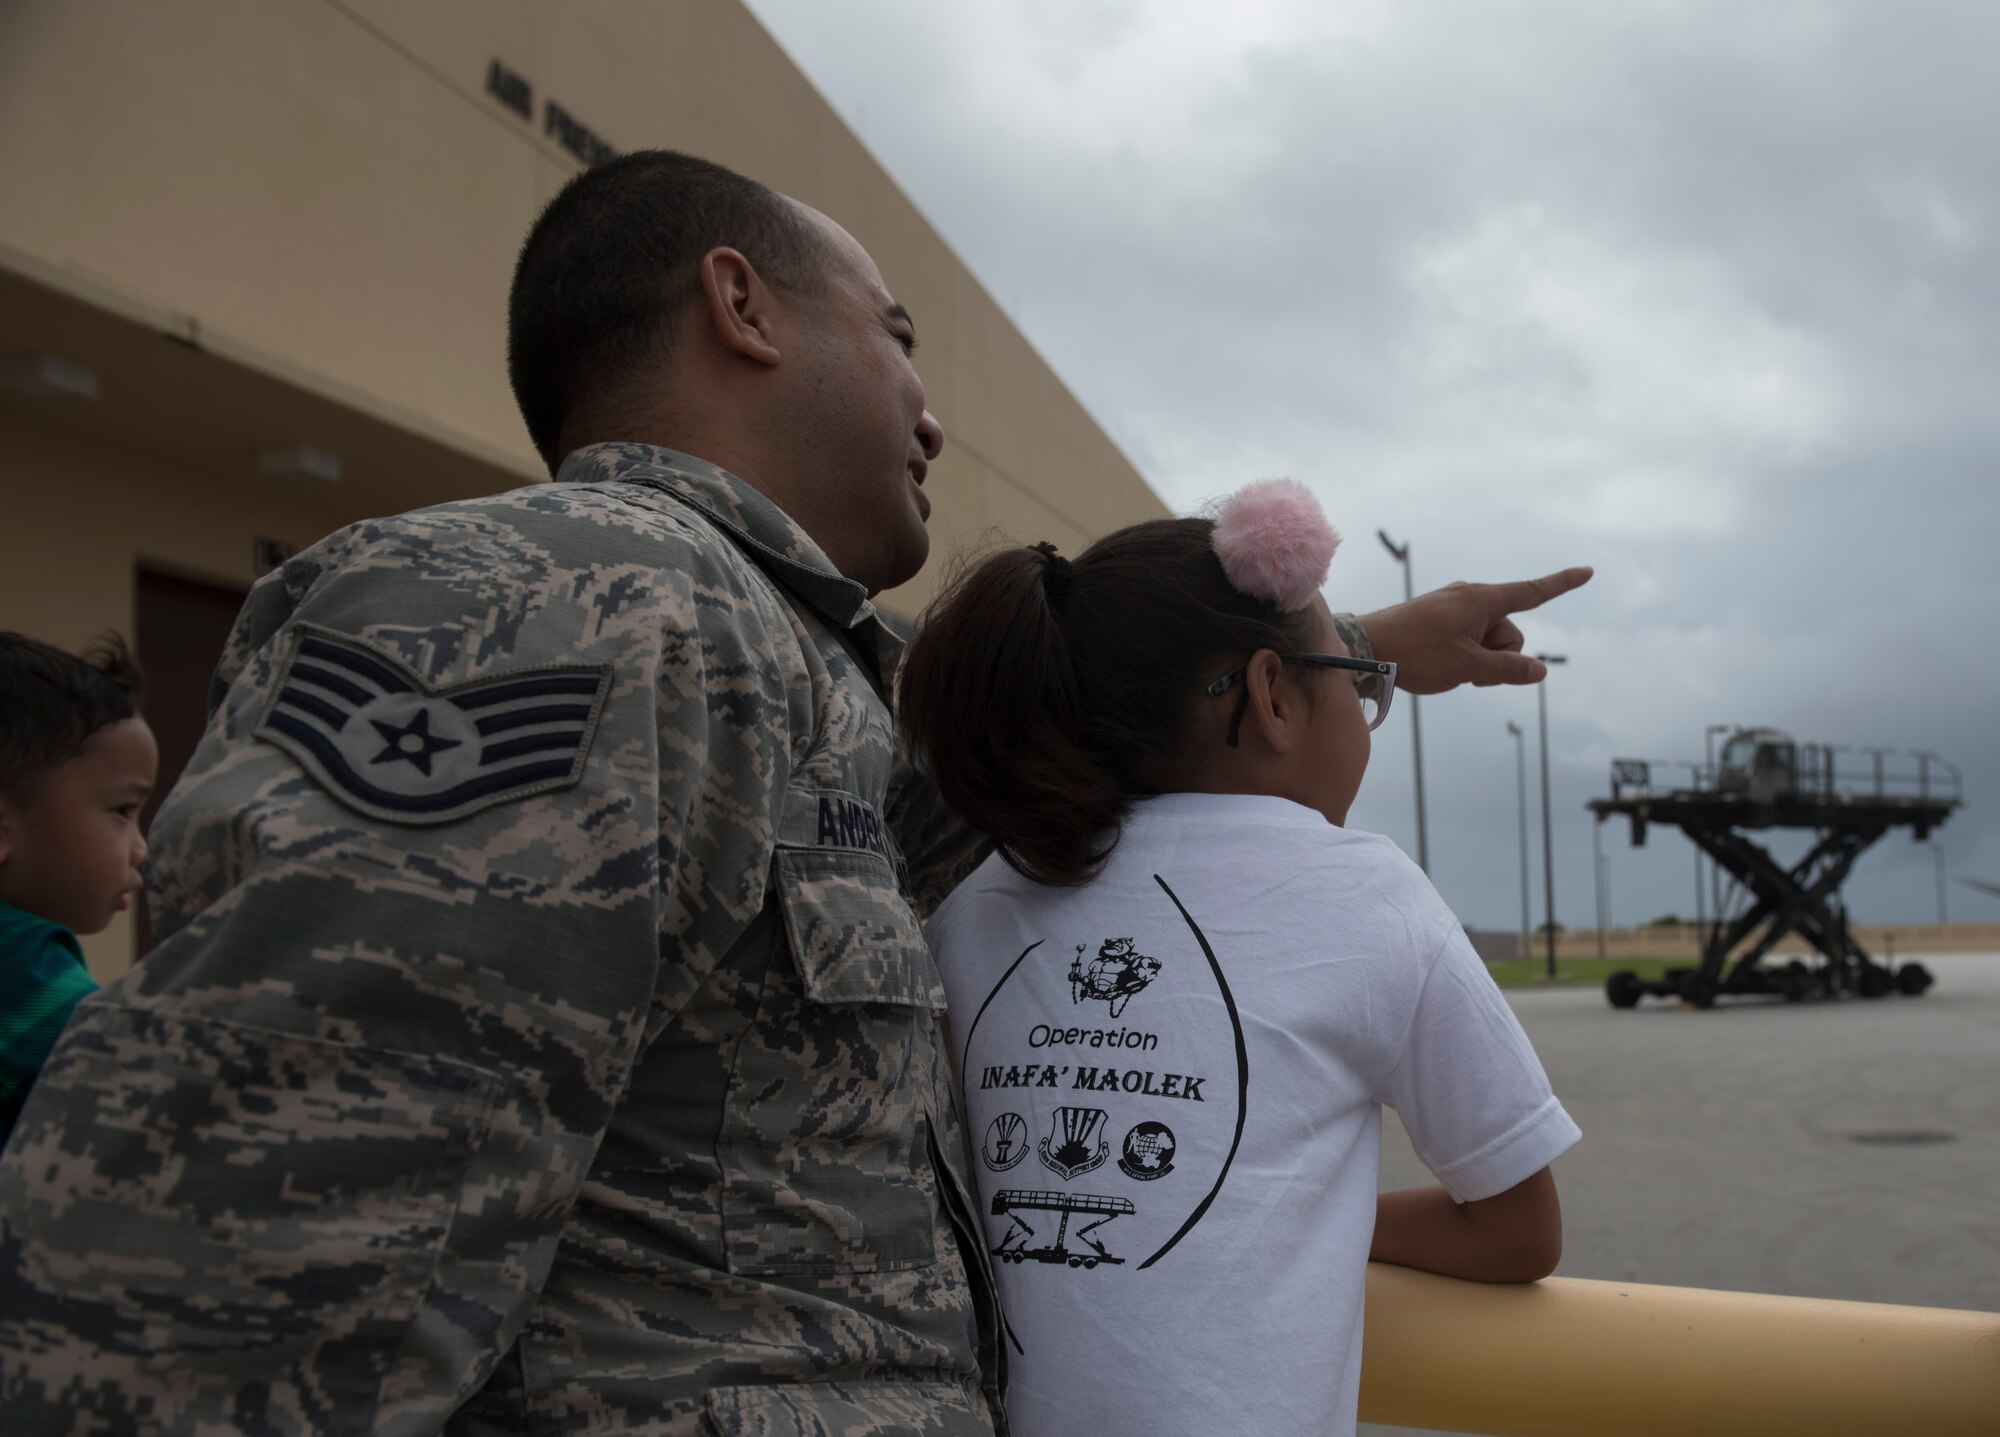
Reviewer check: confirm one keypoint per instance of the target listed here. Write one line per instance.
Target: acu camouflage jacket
(542, 1036)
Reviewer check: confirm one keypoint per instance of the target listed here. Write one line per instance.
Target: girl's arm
(1514, 1236)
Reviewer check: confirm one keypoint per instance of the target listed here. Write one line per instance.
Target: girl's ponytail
(990, 697)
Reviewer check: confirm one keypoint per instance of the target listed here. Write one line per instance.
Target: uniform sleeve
(940, 848)
(305, 1167)
(1468, 1086)
(1352, 634)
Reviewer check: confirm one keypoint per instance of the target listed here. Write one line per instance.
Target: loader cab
(1759, 764)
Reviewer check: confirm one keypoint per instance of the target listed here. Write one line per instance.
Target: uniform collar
(760, 528)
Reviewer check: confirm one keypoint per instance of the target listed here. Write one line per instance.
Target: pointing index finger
(1533, 593)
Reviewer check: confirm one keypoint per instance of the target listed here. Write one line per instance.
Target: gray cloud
(1706, 295)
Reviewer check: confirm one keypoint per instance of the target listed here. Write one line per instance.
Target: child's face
(70, 847)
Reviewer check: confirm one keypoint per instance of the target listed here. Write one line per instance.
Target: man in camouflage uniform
(541, 1035)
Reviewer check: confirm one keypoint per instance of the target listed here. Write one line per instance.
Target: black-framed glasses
(1374, 685)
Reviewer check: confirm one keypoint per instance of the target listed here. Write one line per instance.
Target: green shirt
(42, 977)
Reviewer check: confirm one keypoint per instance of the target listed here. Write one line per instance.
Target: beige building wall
(265, 223)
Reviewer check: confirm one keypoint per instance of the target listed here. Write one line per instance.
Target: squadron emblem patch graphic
(383, 742)
(1118, 972)
(1074, 1146)
(1149, 1152)
(1006, 1142)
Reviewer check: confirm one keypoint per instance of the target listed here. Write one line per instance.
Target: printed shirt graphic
(1108, 1066)
(1173, 1078)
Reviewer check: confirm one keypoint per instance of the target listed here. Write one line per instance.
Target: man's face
(70, 847)
(861, 421)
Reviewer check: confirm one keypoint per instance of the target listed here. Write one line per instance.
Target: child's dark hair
(53, 702)
(1046, 695)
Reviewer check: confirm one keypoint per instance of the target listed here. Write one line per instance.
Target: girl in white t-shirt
(1181, 992)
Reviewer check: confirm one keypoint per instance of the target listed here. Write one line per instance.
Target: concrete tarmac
(1846, 1149)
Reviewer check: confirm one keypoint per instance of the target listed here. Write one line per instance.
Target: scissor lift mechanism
(1010, 1202)
(1804, 898)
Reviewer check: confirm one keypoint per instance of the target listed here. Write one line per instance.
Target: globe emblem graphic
(1149, 1152)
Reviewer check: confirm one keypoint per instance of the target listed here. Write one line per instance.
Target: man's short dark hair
(52, 703)
(613, 260)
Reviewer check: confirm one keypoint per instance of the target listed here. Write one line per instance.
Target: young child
(76, 764)
(1181, 992)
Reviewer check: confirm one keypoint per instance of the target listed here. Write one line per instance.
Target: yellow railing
(1570, 1358)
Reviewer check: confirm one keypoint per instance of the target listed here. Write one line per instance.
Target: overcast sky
(1704, 294)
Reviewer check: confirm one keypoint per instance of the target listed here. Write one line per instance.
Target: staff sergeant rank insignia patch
(383, 742)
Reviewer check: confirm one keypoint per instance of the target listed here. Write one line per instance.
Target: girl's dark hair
(53, 702)
(1046, 695)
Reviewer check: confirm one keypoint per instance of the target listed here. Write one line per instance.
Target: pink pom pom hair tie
(1275, 543)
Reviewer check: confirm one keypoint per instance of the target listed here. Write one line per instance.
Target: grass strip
(1532, 972)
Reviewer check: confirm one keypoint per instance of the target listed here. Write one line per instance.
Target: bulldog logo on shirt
(1118, 972)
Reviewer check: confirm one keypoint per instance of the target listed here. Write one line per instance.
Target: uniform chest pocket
(824, 1146)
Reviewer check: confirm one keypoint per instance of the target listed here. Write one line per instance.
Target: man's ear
(737, 305)
(1272, 716)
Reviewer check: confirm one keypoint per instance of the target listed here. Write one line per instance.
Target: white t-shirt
(1172, 1075)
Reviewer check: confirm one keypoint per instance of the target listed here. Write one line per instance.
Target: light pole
(1937, 848)
(1521, 784)
(1402, 556)
(1548, 842)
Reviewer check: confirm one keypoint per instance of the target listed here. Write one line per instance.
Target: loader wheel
(1699, 989)
(1622, 989)
(1913, 979)
(1875, 981)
